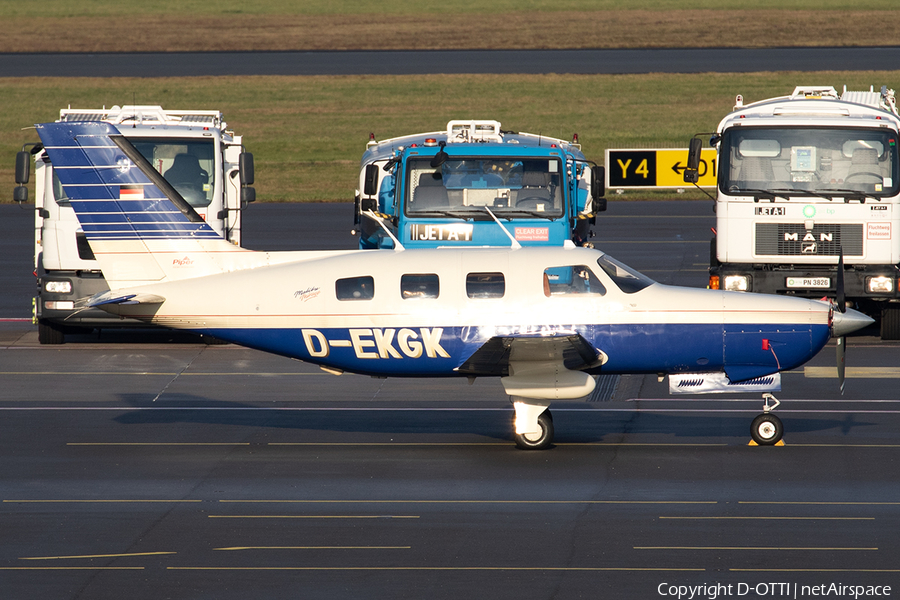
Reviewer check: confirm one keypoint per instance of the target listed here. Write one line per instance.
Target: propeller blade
(839, 297)
(841, 355)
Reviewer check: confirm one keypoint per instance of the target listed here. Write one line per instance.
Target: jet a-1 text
(545, 320)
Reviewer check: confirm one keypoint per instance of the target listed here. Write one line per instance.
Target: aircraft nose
(848, 322)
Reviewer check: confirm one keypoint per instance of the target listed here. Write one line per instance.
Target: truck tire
(50, 333)
(890, 322)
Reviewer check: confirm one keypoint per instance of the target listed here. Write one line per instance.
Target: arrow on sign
(678, 168)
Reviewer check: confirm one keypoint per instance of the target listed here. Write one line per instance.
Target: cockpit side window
(626, 279)
(571, 280)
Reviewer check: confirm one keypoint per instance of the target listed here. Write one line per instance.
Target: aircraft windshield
(627, 279)
(809, 161)
(189, 165)
(511, 188)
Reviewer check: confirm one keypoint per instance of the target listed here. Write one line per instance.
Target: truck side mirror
(692, 170)
(23, 174)
(248, 195)
(23, 167)
(370, 187)
(245, 164)
(598, 188)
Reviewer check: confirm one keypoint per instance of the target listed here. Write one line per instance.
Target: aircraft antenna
(515, 244)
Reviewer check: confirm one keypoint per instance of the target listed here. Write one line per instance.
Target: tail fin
(139, 227)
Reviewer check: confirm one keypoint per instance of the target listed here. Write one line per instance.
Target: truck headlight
(59, 305)
(880, 285)
(737, 283)
(58, 287)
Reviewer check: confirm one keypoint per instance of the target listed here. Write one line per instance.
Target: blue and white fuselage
(544, 319)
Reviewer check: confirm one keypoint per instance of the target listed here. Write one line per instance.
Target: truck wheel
(50, 333)
(890, 323)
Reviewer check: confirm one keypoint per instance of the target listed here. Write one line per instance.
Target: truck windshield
(189, 165)
(809, 160)
(512, 188)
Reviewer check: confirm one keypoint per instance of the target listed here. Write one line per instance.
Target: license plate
(809, 282)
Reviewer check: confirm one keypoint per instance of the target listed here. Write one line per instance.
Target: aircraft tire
(766, 430)
(541, 441)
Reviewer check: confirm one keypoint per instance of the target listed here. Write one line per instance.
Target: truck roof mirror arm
(692, 170)
(390, 163)
(441, 156)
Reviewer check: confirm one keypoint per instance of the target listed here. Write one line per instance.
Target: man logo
(809, 237)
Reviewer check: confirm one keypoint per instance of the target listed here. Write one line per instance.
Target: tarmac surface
(589, 61)
(147, 465)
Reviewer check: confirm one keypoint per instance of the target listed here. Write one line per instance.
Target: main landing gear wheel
(766, 429)
(537, 441)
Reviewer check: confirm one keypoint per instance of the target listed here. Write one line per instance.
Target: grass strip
(308, 133)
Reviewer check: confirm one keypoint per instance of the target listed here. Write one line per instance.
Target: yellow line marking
(588, 569)
(69, 501)
(157, 444)
(351, 444)
(504, 444)
(748, 548)
(845, 445)
(852, 372)
(317, 548)
(820, 503)
(816, 570)
(96, 556)
(780, 518)
(71, 568)
(470, 501)
(313, 516)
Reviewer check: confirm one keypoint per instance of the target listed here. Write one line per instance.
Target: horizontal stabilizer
(714, 383)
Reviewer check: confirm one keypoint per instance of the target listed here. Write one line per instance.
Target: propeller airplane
(543, 319)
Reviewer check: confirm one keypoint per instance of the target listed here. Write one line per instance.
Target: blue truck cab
(476, 185)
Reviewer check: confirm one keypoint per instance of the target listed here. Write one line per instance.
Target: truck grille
(793, 239)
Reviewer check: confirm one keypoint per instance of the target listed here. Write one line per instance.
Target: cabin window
(574, 280)
(485, 285)
(355, 288)
(424, 285)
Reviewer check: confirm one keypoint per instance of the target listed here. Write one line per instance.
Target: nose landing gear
(767, 429)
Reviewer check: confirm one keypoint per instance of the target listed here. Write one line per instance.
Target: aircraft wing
(493, 357)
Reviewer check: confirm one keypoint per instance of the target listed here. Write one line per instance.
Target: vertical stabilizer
(139, 227)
